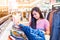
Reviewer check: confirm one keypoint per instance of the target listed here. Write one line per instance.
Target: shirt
(42, 24)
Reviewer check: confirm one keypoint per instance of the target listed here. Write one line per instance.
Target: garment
(50, 18)
(55, 31)
(32, 34)
(42, 24)
(17, 34)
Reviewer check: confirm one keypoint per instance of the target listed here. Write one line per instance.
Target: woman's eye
(34, 14)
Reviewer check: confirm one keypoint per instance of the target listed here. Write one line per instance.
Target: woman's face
(36, 15)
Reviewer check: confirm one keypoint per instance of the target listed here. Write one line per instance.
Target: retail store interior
(14, 12)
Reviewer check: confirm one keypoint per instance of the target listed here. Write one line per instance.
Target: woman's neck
(39, 19)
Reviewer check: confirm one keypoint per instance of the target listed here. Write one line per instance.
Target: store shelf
(6, 33)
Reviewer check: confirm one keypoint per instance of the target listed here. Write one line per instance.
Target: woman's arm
(47, 26)
(47, 31)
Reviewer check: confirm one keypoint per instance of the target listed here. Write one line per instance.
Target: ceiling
(25, 1)
(12, 4)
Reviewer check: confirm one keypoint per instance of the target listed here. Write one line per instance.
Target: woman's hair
(33, 20)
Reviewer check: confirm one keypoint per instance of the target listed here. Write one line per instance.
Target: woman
(38, 22)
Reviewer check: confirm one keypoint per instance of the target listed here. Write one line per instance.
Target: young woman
(38, 22)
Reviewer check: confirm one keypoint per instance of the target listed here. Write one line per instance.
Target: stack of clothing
(17, 34)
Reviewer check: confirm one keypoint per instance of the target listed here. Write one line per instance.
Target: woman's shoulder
(45, 20)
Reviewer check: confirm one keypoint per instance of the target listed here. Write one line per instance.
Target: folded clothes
(18, 34)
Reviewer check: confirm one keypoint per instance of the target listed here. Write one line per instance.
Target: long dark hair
(33, 20)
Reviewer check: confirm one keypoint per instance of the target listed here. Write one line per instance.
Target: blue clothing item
(32, 34)
(55, 31)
